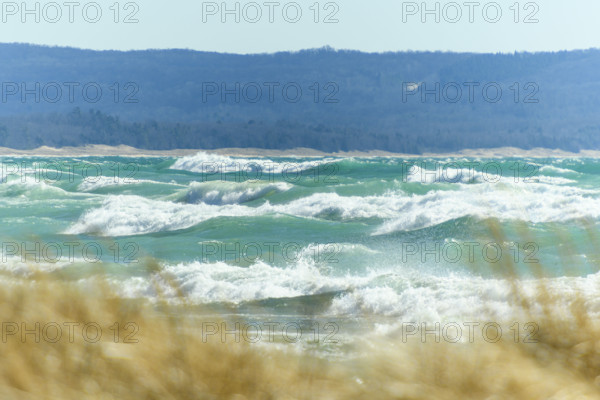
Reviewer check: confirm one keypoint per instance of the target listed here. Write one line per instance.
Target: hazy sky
(269, 26)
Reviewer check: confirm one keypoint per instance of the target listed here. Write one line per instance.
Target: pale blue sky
(372, 26)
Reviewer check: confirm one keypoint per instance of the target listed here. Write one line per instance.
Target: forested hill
(323, 99)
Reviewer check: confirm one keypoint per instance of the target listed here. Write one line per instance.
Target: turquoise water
(406, 239)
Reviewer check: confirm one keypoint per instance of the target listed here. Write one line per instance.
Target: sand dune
(127, 151)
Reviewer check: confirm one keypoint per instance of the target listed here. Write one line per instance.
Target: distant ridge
(333, 100)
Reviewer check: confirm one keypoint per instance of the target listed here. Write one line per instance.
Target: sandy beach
(127, 151)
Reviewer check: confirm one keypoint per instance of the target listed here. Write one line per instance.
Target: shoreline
(128, 151)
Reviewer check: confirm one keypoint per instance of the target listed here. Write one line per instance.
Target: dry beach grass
(161, 355)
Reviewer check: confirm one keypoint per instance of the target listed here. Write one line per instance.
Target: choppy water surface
(327, 239)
